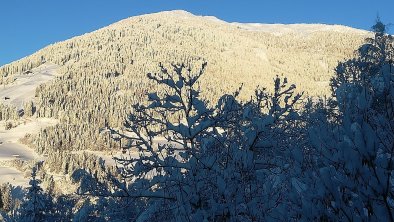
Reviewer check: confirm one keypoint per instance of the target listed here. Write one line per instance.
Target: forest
(281, 155)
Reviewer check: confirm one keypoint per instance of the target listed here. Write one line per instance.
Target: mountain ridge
(273, 28)
(267, 27)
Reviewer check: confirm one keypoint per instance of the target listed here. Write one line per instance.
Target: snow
(108, 156)
(261, 53)
(275, 29)
(20, 91)
(11, 151)
(23, 88)
(28, 125)
(13, 176)
(302, 29)
(11, 148)
(9, 139)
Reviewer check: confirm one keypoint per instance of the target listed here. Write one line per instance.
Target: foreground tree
(353, 180)
(193, 162)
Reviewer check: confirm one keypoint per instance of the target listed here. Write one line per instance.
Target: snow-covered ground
(276, 29)
(11, 149)
(13, 176)
(28, 125)
(108, 156)
(23, 88)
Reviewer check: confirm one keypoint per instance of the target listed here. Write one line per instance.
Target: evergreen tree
(34, 205)
(1, 200)
(353, 180)
(6, 197)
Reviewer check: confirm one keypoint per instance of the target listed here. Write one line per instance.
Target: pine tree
(1, 200)
(6, 197)
(34, 205)
(353, 180)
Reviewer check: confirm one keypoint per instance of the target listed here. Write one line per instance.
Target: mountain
(90, 81)
(236, 53)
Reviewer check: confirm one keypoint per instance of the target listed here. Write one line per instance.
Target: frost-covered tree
(6, 197)
(190, 161)
(84, 212)
(61, 208)
(34, 206)
(1, 199)
(353, 180)
(29, 109)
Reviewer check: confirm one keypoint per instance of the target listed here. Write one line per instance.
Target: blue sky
(27, 26)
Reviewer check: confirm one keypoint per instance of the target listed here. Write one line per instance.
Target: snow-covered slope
(13, 176)
(12, 150)
(16, 94)
(305, 53)
(100, 74)
(23, 88)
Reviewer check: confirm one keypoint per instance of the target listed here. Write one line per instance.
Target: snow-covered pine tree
(353, 180)
(34, 205)
(84, 212)
(62, 208)
(1, 200)
(6, 197)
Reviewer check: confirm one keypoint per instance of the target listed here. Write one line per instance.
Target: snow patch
(11, 149)
(13, 176)
(28, 125)
(23, 89)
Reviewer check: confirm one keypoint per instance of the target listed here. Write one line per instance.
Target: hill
(100, 74)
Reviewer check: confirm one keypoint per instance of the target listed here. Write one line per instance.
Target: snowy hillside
(22, 89)
(176, 117)
(58, 104)
(100, 73)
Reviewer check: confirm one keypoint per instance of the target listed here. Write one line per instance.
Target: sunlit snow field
(17, 93)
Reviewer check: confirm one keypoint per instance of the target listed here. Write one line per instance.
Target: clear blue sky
(28, 25)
